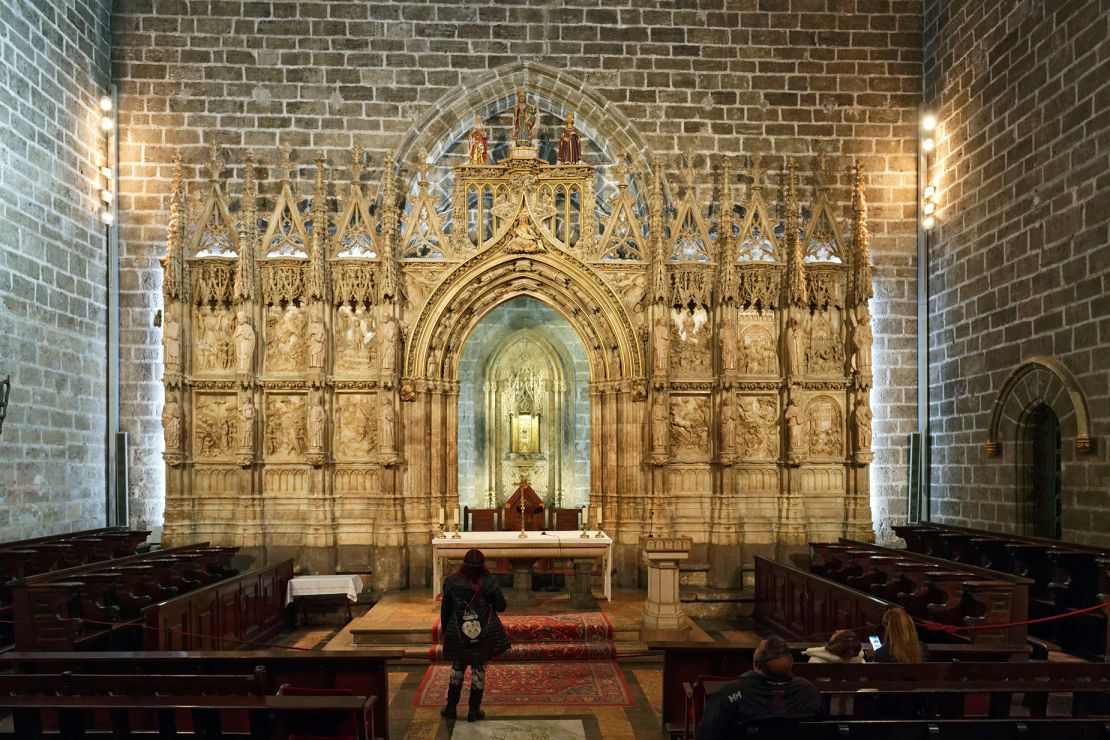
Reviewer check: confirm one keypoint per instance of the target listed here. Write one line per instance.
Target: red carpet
(598, 683)
(572, 636)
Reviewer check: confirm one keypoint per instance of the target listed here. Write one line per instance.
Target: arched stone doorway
(1040, 475)
(523, 360)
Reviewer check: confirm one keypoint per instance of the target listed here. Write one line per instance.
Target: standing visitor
(472, 631)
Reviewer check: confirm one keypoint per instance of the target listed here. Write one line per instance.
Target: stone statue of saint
(570, 143)
(525, 238)
(863, 424)
(660, 342)
(727, 336)
(861, 340)
(316, 420)
(795, 424)
(388, 340)
(246, 422)
(660, 423)
(524, 119)
(794, 352)
(171, 422)
(479, 143)
(317, 340)
(389, 421)
(728, 423)
(171, 341)
(244, 342)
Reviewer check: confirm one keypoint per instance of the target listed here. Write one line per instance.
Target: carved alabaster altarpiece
(311, 354)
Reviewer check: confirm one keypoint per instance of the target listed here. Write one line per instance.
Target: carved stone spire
(756, 171)
(356, 166)
(248, 232)
(794, 280)
(659, 288)
(390, 282)
(173, 265)
(317, 278)
(214, 164)
(726, 246)
(861, 240)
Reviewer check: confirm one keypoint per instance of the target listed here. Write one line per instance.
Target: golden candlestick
(585, 523)
(522, 534)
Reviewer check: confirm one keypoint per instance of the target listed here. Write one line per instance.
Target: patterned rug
(586, 683)
(570, 627)
(523, 652)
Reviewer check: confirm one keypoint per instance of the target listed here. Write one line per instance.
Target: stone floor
(411, 611)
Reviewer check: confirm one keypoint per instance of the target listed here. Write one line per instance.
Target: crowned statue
(524, 119)
(570, 143)
(479, 143)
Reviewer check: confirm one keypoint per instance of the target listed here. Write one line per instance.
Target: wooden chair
(564, 520)
(481, 520)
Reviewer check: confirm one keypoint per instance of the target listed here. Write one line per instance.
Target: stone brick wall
(1020, 265)
(52, 265)
(778, 77)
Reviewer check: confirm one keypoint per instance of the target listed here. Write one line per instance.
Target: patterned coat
(457, 593)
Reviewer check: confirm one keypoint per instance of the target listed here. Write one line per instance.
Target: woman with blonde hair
(900, 643)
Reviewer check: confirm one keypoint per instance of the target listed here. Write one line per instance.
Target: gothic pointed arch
(492, 277)
(1040, 380)
(558, 92)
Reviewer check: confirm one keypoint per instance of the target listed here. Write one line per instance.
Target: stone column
(521, 593)
(662, 610)
(581, 594)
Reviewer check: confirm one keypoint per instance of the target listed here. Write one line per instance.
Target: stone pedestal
(662, 610)
(581, 594)
(522, 594)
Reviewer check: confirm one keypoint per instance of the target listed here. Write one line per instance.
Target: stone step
(693, 574)
(701, 601)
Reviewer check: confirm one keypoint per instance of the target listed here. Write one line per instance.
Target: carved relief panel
(757, 427)
(285, 338)
(690, 428)
(213, 348)
(215, 420)
(824, 352)
(285, 438)
(355, 336)
(824, 427)
(355, 433)
(691, 342)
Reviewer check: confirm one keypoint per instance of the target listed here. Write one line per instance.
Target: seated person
(843, 647)
(768, 692)
(900, 643)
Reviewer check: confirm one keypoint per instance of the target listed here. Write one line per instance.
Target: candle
(458, 518)
(597, 522)
(441, 515)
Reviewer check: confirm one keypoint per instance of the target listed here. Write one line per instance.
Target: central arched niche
(523, 357)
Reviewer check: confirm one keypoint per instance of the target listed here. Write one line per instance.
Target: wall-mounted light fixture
(932, 186)
(107, 180)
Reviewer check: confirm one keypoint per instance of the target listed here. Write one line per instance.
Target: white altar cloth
(323, 585)
(535, 545)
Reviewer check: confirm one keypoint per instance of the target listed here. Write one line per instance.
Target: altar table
(339, 589)
(568, 545)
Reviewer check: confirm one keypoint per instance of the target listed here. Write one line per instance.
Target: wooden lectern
(533, 510)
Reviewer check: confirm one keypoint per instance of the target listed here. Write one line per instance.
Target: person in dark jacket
(472, 631)
(767, 693)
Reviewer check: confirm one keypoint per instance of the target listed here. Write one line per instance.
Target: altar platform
(405, 619)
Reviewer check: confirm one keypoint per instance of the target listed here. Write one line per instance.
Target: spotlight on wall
(106, 103)
(928, 144)
(106, 185)
(928, 122)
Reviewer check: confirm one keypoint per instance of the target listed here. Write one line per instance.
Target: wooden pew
(269, 716)
(225, 615)
(938, 729)
(364, 671)
(78, 608)
(984, 603)
(1065, 577)
(684, 662)
(481, 520)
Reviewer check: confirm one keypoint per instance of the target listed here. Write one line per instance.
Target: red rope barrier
(135, 623)
(938, 627)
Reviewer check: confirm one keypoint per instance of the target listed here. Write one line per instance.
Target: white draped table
(567, 545)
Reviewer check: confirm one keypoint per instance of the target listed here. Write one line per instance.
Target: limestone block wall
(52, 265)
(1020, 266)
(772, 77)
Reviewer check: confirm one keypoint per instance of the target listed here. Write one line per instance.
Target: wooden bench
(228, 614)
(364, 672)
(684, 662)
(941, 729)
(1065, 577)
(93, 606)
(211, 716)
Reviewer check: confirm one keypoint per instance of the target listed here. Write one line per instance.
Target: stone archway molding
(1084, 440)
(559, 92)
(495, 275)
